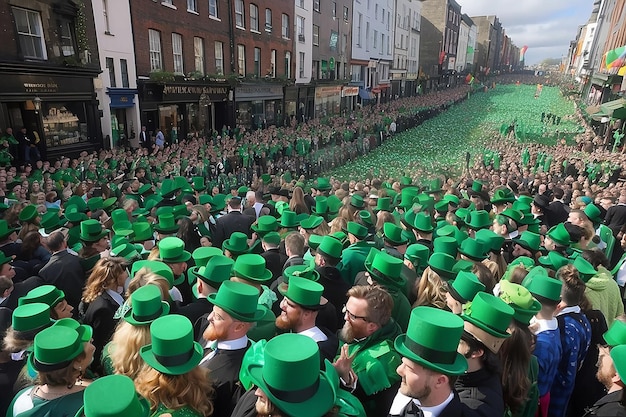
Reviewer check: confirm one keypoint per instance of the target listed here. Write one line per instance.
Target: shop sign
(321, 92)
(349, 91)
(258, 92)
(30, 84)
(173, 92)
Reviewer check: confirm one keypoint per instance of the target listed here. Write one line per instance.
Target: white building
(467, 42)
(116, 87)
(303, 41)
(405, 68)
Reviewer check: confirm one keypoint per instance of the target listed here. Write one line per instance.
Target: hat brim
(184, 257)
(458, 367)
(443, 273)
(236, 251)
(322, 399)
(128, 316)
(486, 329)
(193, 275)
(289, 226)
(524, 245)
(258, 314)
(148, 356)
(165, 230)
(385, 280)
(96, 238)
(472, 257)
(264, 277)
(523, 315)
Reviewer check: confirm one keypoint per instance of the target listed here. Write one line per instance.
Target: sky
(546, 26)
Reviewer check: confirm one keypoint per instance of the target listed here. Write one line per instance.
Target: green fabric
(603, 293)
(530, 408)
(353, 260)
(66, 405)
(107, 363)
(185, 411)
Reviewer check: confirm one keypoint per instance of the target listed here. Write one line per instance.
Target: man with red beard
(367, 361)
(235, 310)
(303, 299)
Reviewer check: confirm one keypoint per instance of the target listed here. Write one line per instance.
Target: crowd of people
(228, 277)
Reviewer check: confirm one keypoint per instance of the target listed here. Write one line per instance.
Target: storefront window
(168, 121)
(327, 106)
(64, 123)
(244, 115)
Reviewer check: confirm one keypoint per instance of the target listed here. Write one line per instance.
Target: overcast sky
(546, 26)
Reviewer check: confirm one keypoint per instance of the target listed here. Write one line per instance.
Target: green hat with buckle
(288, 219)
(559, 235)
(442, 264)
(252, 267)
(522, 301)
(46, 294)
(488, 320)
(172, 250)
(127, 402)
(146, 306)
(432, 339)
(173, 350)
(529, 241)
(304, 292)
(28, 319)
(290, 376)
(585, 269)
(56, 347)
(385, 269)
(330, 247)
(473, 249)
(465, 287)
(265, 224)
(28, 213)
(217, 270)
(540, 284)
(358, 230)
(446, 244)
(478, 219)
(616, 335)
(239, 300)
(311, 222)
(393, 234)
(91, 231)
(167, 224)
(237, 244)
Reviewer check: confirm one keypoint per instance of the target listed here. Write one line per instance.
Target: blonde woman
(431, 290)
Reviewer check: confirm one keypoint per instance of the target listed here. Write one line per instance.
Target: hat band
(49, 367)
(149, 317)
(430, 355)
(174, 360)
(294, 396)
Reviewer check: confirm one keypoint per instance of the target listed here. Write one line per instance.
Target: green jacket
(603, 293)
(353, 260)
(30, 405)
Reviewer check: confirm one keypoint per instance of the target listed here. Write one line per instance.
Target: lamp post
(37, 104)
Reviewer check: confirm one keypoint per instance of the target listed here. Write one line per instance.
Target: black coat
(453, 409)
(99, 315)
(481, 392)
(64, 271)
(615, 218)
(196, 309)
(274, 261)
(608, 406)
(228, 224)
(335, 288)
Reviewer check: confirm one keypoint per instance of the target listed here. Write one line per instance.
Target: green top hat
(119, 216)
(182, 184)
(408, 197)
(525, 199)
(442, 264)
(383, 204)
(95, 203)
(404, 180)
(490, 240)
(205, 199)
(74, 215)
(432, 339)
(146, 306)
(358, 230)
(478, 219)
(216, 271)
(239, 300)
(157, 267)
(423, 223)
(304, 292)
(618, 354)
(50, 222)
(265, 224)
(553, 260)
(393, 234)
(172, 250)
(127, 251)
(198, 183)
(237, 244)
(127, 403)
(514, 215)
(442, 206)
(616, 335)
(251, 266)
(322, 184)
(502, 196)
(542, 285)
(108, 203)
(529, 241)
(465, 287)
(446, 244)
(356, 201)
(488, 320)
(92, 231)
(142, 231)
(559, 235)
(28, 319)
(54, 348)
(334, 204)
(288, 219)
(330, 247)
(300, 271)
(311, 222)
(321, 205)
(366, 218)
(202, 255)
(434, 186)
(173, 350)
(585, 269)
(28, 213)
(46, 294)
(291, 378)
(451, 199)
(521, 300)
(219, 202)
(386, 269)
(273, 238)
(594, 213)
(5, 230)
(168, 188)
(180, 211)
(473, 249)
(77, 201)
(417, 254)
(314, 241)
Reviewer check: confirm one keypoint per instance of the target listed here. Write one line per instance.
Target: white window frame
(300, 22)
(219, 57)
(316, 35)
(301, 58)
(316, 5)
(284, 21)
(254, 18)
(268, 20)
(240, 15)
(241, 60)
(105, 12)
(213, 9)
(273, 64)
(192, 6)
(156, 54)
(34, 34)
(177, 53)
(288, 64)
(257, 62)
(198, 54)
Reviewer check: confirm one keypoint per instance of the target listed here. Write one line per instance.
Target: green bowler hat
(28, 319)
(251, 266)
(465, 287)
(290, 376)
(237, 244)
(146, 306)
(473, 249)
(56, 346)
(91, 231)
(432, 339)
(521, 300)
(442, 264)
(173, 350)
(542, 285)
(305, 292)
(217, 270)
(46, 294)
(488, 320)
(265, 224)
(172, 250)
(127, 402)
(330, 247)
(358, 230)
(616, 335)
(239, 300)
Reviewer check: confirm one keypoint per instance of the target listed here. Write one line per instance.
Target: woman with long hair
(431, 290)
(188, 232)
(102, 297)
(297, 203)
(171, 381)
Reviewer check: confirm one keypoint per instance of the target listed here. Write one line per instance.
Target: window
(288, 64)
(301, 4)
(30, 33)
(382, 43)
(105, 12)
(376, 11)
(169, 2)
(367, 36)
(358, 30)
(156, 60)
(375, 38)
(219, 57)
(316, 35)
(301, 65)
(111, 67)
(300, 28)
(273, 64)
(213, 8)
(333, 8)
(241, 60)
(177, 50)
(192, 6)
(239, 16)
(268, 20)
(285, 26)
(383, 16)
(66, 34)
(257, 62)
(198, 54)
(254, 17)
(316, 5)
(346, 12)
(124, 71)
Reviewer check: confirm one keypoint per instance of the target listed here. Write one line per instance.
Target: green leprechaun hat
(521, 300)
(239, 300)
(127, 402)
(304, 292)
(465, 287)
(252, 267)
(488, 320)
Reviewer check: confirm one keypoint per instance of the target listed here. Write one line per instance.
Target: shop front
(59, 111)
(259, 105)
(349, 95)
(327, 100)
(185, 109)
(123, 116)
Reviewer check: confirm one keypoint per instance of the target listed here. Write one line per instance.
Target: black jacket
(99, 315)
(196, 309)
(232, 222)
(64, 271)
(608, 406)
(481, 392)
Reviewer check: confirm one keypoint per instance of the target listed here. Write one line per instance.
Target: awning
(365, 95)
(592, 109)
(610, 106)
